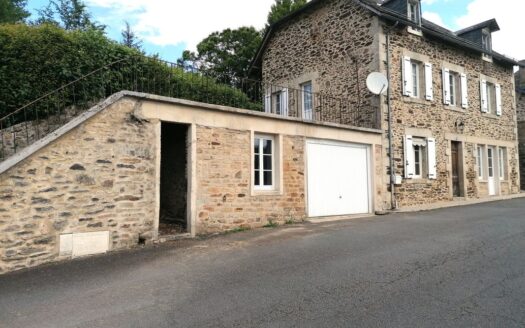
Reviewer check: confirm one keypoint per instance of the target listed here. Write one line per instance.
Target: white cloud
(175, 22)
(434, 18)
(509, 14)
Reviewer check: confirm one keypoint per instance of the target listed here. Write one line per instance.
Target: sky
(169, 27)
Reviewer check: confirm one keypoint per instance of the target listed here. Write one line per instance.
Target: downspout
(393, 201)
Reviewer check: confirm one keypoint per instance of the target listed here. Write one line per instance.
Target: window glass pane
(257, 178)
(415, 79)
(268, 178)
(256, 162)
(267, 146)
(417, 160)
(452, 81)
(256, 145)
(267, 162)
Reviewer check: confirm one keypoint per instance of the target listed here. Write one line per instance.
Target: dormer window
(413, 12)
(486, 41)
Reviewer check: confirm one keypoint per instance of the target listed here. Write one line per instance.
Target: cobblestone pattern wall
(224, 199)
(98, 177)
(441, 119)
(334, 47)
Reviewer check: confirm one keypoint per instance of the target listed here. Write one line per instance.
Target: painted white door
(491, 180)
(338, 178)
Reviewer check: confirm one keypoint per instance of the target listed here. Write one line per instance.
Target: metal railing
(49, 112)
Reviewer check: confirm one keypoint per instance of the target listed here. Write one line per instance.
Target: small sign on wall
(82, 244)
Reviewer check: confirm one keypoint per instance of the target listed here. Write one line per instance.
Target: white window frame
(413, 12)
(486, 41)
(420, 156)
(418, 161)
(261, 186)
(480, 158)
(307, 98)
(414, 68)
(453, 80)
(502, 162)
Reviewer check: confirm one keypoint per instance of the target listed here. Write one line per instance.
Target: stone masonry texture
(98, 177)
(321, 44)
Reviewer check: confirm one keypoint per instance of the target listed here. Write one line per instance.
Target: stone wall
(332, 46)
(440, 119)
(224, 199)
(98, 177)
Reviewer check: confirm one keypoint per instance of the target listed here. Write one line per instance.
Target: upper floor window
(307, 100)
(413, 11)
(486, 41)
(455, 88)
(417, 79)
(491, 98)
(277, 102)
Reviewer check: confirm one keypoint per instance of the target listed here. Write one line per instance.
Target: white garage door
(338, 178)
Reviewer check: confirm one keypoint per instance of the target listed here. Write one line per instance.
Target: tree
(130, 39)
(226, 55)
(282, 8)
(71, 14)
(13, 11)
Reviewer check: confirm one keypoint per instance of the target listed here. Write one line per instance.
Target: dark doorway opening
(173, 179)
(457, 169)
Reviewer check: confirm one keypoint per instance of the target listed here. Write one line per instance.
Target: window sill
(420, 101)
(491, 116)
(456, 108)
(414, 31)
(262, 192)
(418, 180)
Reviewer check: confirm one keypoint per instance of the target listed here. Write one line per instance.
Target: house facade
(520, 109)
(451, 103)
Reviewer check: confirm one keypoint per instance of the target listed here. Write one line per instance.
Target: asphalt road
(457, 267)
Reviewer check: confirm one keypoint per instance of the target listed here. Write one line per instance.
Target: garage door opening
(173, 179)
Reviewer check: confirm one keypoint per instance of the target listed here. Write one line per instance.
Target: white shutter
(498, 99)
(429, 89)
(483, 93)
(431, 153)
(268, 103)
(446, 86)
(409, 158)
(284, 102)
(407, 77)
(464, 91)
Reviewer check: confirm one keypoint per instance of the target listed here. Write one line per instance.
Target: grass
(270, 224)
(238, 229)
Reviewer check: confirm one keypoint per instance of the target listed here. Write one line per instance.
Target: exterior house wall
(521, 133)
(334, 46)
(319, 43)
(104, 175)
(439, 120)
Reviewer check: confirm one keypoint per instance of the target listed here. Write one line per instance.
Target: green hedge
(35, 60)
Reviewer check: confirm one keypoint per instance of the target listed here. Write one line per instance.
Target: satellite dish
(377, 83)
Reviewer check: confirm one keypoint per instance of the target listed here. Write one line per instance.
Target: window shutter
(498, 99)
(268, 103)
(431, 153)
(446, 86)
(407, 77)
(409, 158)
(484, 100)
(464, 91)
(429, 89)
(284, 102)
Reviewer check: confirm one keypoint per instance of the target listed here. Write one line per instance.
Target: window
(277, 102)
(479, 161)
(490, 161)
(413, 12)
(502, 155)
(417, 79)
(486, 41)
(307, 98)
(491, 98)
(455, 88)
(420, 158)
(263, 162)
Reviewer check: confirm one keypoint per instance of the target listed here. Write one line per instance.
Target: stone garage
(140, 167)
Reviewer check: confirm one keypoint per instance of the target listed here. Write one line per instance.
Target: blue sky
(169, 27)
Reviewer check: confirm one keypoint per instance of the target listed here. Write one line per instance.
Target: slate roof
(427, 27)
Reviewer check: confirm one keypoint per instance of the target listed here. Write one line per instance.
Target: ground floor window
(479, 161)
(263, 162)
(502, 160)
(420, 157)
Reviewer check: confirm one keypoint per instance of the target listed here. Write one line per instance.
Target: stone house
(449, 116)
(520, 102)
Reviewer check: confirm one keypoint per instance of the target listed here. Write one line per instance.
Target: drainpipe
(391, 150)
